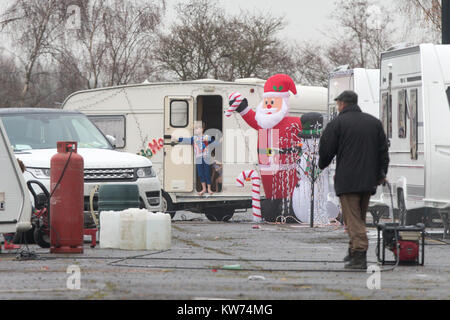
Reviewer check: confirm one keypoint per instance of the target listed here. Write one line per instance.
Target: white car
(33, 134)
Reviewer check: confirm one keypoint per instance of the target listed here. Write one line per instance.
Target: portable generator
(407, 243)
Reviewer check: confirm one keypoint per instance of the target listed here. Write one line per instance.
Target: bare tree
(364, 31)
(120, 42)
(67, 77)
(129, 31)
(425, 16)
(87, 44)
(429, 10)
(314, 62)
(33, 26)
(254, 48)
(339, 53)
(205, 42)
(10, 84)
(112, 45)
(310, 64)
(194, 44)
(114, 42)
(367, 26)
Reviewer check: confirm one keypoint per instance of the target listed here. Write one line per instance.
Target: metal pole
(445, 21)
(313, 182)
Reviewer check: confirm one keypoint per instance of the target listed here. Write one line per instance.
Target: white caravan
(415, 111)
(15, 203)
(145, 118)
(365, 82)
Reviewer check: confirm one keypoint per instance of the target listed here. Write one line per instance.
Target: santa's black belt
(272, 152)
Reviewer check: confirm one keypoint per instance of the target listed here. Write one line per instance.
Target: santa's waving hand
(278, 135)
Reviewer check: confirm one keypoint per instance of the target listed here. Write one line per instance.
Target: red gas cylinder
(67, 200)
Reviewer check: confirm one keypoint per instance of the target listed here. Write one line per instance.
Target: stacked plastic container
(135, 230)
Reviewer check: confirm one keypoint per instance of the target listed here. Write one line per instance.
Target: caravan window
(385, 115)
(179, 113)
(413, 116)
(390, 116)
(448, 96)
(112, 126)
(402, 114)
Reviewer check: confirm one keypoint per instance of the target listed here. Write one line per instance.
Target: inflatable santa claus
(278, 143)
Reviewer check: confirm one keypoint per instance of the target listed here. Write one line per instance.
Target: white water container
(159, 232)
(133, 229)
(109, 230)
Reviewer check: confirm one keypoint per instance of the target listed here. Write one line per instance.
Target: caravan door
(178, 159)
(15, 203)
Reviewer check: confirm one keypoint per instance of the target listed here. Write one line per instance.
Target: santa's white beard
(268, 121)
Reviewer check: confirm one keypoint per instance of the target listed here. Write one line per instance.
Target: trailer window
(386, 115)
(179, 113)
(402, 114)
(112, 126)
(413, 116)
(448, 96)
(390, 116)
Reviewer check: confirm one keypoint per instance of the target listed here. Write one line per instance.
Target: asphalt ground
(275, 262)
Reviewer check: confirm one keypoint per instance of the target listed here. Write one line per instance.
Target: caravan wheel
(219, 214)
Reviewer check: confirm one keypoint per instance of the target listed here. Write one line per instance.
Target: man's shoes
(349, 256)
(358, 261)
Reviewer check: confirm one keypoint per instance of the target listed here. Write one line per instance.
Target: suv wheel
(41, 238)
(167, 205)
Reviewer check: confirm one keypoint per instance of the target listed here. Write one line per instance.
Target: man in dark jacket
(360, 145)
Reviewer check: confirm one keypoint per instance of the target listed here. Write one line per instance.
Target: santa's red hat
(278, 86)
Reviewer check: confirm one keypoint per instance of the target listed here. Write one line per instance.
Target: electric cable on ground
(241, 269)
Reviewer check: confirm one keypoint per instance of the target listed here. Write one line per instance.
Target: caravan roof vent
(251, 81)
(402, 45)
(207, 80)
(342, 68)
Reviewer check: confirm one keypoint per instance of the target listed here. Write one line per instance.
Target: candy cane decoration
(238, 99)
(253, 176)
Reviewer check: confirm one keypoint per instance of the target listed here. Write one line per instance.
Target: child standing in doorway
(202, 158)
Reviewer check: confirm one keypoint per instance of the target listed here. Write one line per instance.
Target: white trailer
(415, 111)
(15, 203)
(144, 119)
(365, 82)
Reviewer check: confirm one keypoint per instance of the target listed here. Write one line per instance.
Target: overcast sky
(304, 17)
